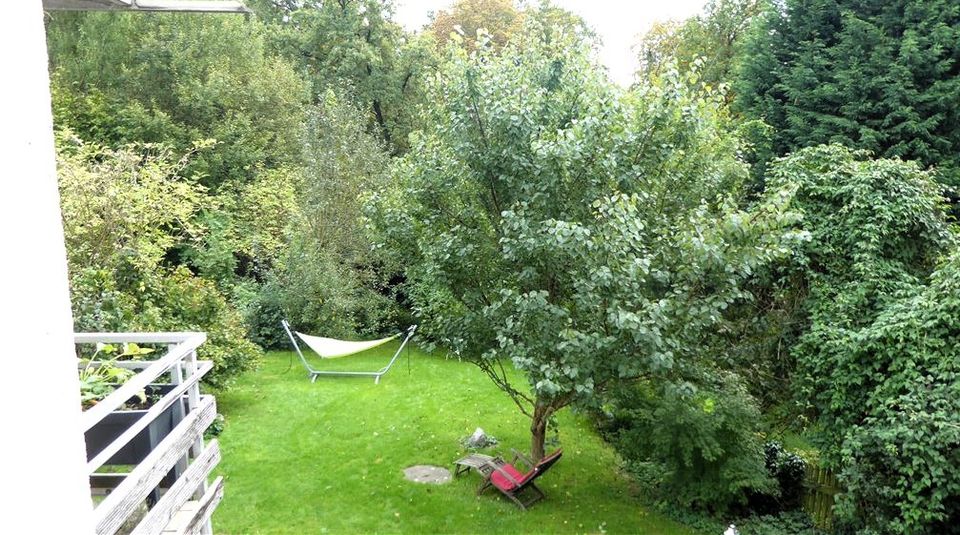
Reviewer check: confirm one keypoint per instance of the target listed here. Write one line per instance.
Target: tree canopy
(716, 37)
(880, 76)
(555, 222)
(353, 47)
(177, 79)
(500, 18)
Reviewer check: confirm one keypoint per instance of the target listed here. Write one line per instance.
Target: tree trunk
(381, 121)
(538, 429)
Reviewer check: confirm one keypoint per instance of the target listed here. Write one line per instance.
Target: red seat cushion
(502, 482)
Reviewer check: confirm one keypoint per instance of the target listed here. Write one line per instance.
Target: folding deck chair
(508, 480)
(330, 348)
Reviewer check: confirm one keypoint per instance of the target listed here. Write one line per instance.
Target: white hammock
(330, 348)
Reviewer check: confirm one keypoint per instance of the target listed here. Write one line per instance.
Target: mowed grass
(328, 457)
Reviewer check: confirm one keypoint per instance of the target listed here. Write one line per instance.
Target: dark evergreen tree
(881, 76)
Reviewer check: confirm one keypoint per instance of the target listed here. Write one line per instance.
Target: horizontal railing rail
(137, 338)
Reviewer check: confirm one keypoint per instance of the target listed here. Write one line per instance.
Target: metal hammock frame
(314, 373)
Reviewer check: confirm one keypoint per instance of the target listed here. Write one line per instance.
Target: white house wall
(45, 488)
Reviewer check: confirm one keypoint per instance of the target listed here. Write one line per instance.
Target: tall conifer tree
(881, 76)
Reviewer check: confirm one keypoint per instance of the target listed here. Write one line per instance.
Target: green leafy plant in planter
(98, 381)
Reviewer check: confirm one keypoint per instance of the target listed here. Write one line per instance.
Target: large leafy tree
(499, 18)
(354, 48)
(330, 279)
(881, 76)
(717, 36)
(178, 79)
(582, 234)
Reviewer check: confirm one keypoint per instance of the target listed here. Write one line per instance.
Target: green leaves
(131, 349)
(99, 377)
(694, 444)
(122, 78)
(124, 212)
(587, 235)
(868, 76)
(705, 47)
(354, 49)
(876, 361)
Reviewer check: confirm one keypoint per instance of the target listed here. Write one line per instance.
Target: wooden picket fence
(821, 489)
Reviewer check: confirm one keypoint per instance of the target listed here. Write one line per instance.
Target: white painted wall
(44, 487)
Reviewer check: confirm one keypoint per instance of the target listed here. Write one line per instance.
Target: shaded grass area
(328, 457)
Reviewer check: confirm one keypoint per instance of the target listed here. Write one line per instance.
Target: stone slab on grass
(425, 473)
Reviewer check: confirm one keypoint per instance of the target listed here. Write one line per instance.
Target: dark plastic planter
(111, 427)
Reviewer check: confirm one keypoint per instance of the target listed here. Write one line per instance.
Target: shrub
(318, 293)
(124, 211)
(194, 304)
(788, 470)
(695, 446)
(246, 227)
(263, 315)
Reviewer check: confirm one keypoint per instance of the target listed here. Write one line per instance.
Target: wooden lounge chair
(512, 483)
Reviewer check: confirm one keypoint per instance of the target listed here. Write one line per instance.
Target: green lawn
(328, 457)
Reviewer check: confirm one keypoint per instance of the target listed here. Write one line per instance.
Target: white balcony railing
(165, 489)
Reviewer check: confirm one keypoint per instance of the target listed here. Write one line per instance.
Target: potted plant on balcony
(100, 376)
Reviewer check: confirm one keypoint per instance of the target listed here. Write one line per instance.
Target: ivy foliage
(877, 230)
(877, 361)
(900, 459)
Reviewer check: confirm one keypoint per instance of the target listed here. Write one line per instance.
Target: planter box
(111, 427)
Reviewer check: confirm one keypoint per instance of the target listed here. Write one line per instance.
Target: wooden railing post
(193, 400)
(176, 378)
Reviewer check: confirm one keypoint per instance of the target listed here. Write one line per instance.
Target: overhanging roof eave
(188, 6)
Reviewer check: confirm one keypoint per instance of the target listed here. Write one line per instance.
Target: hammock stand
(330, 348)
